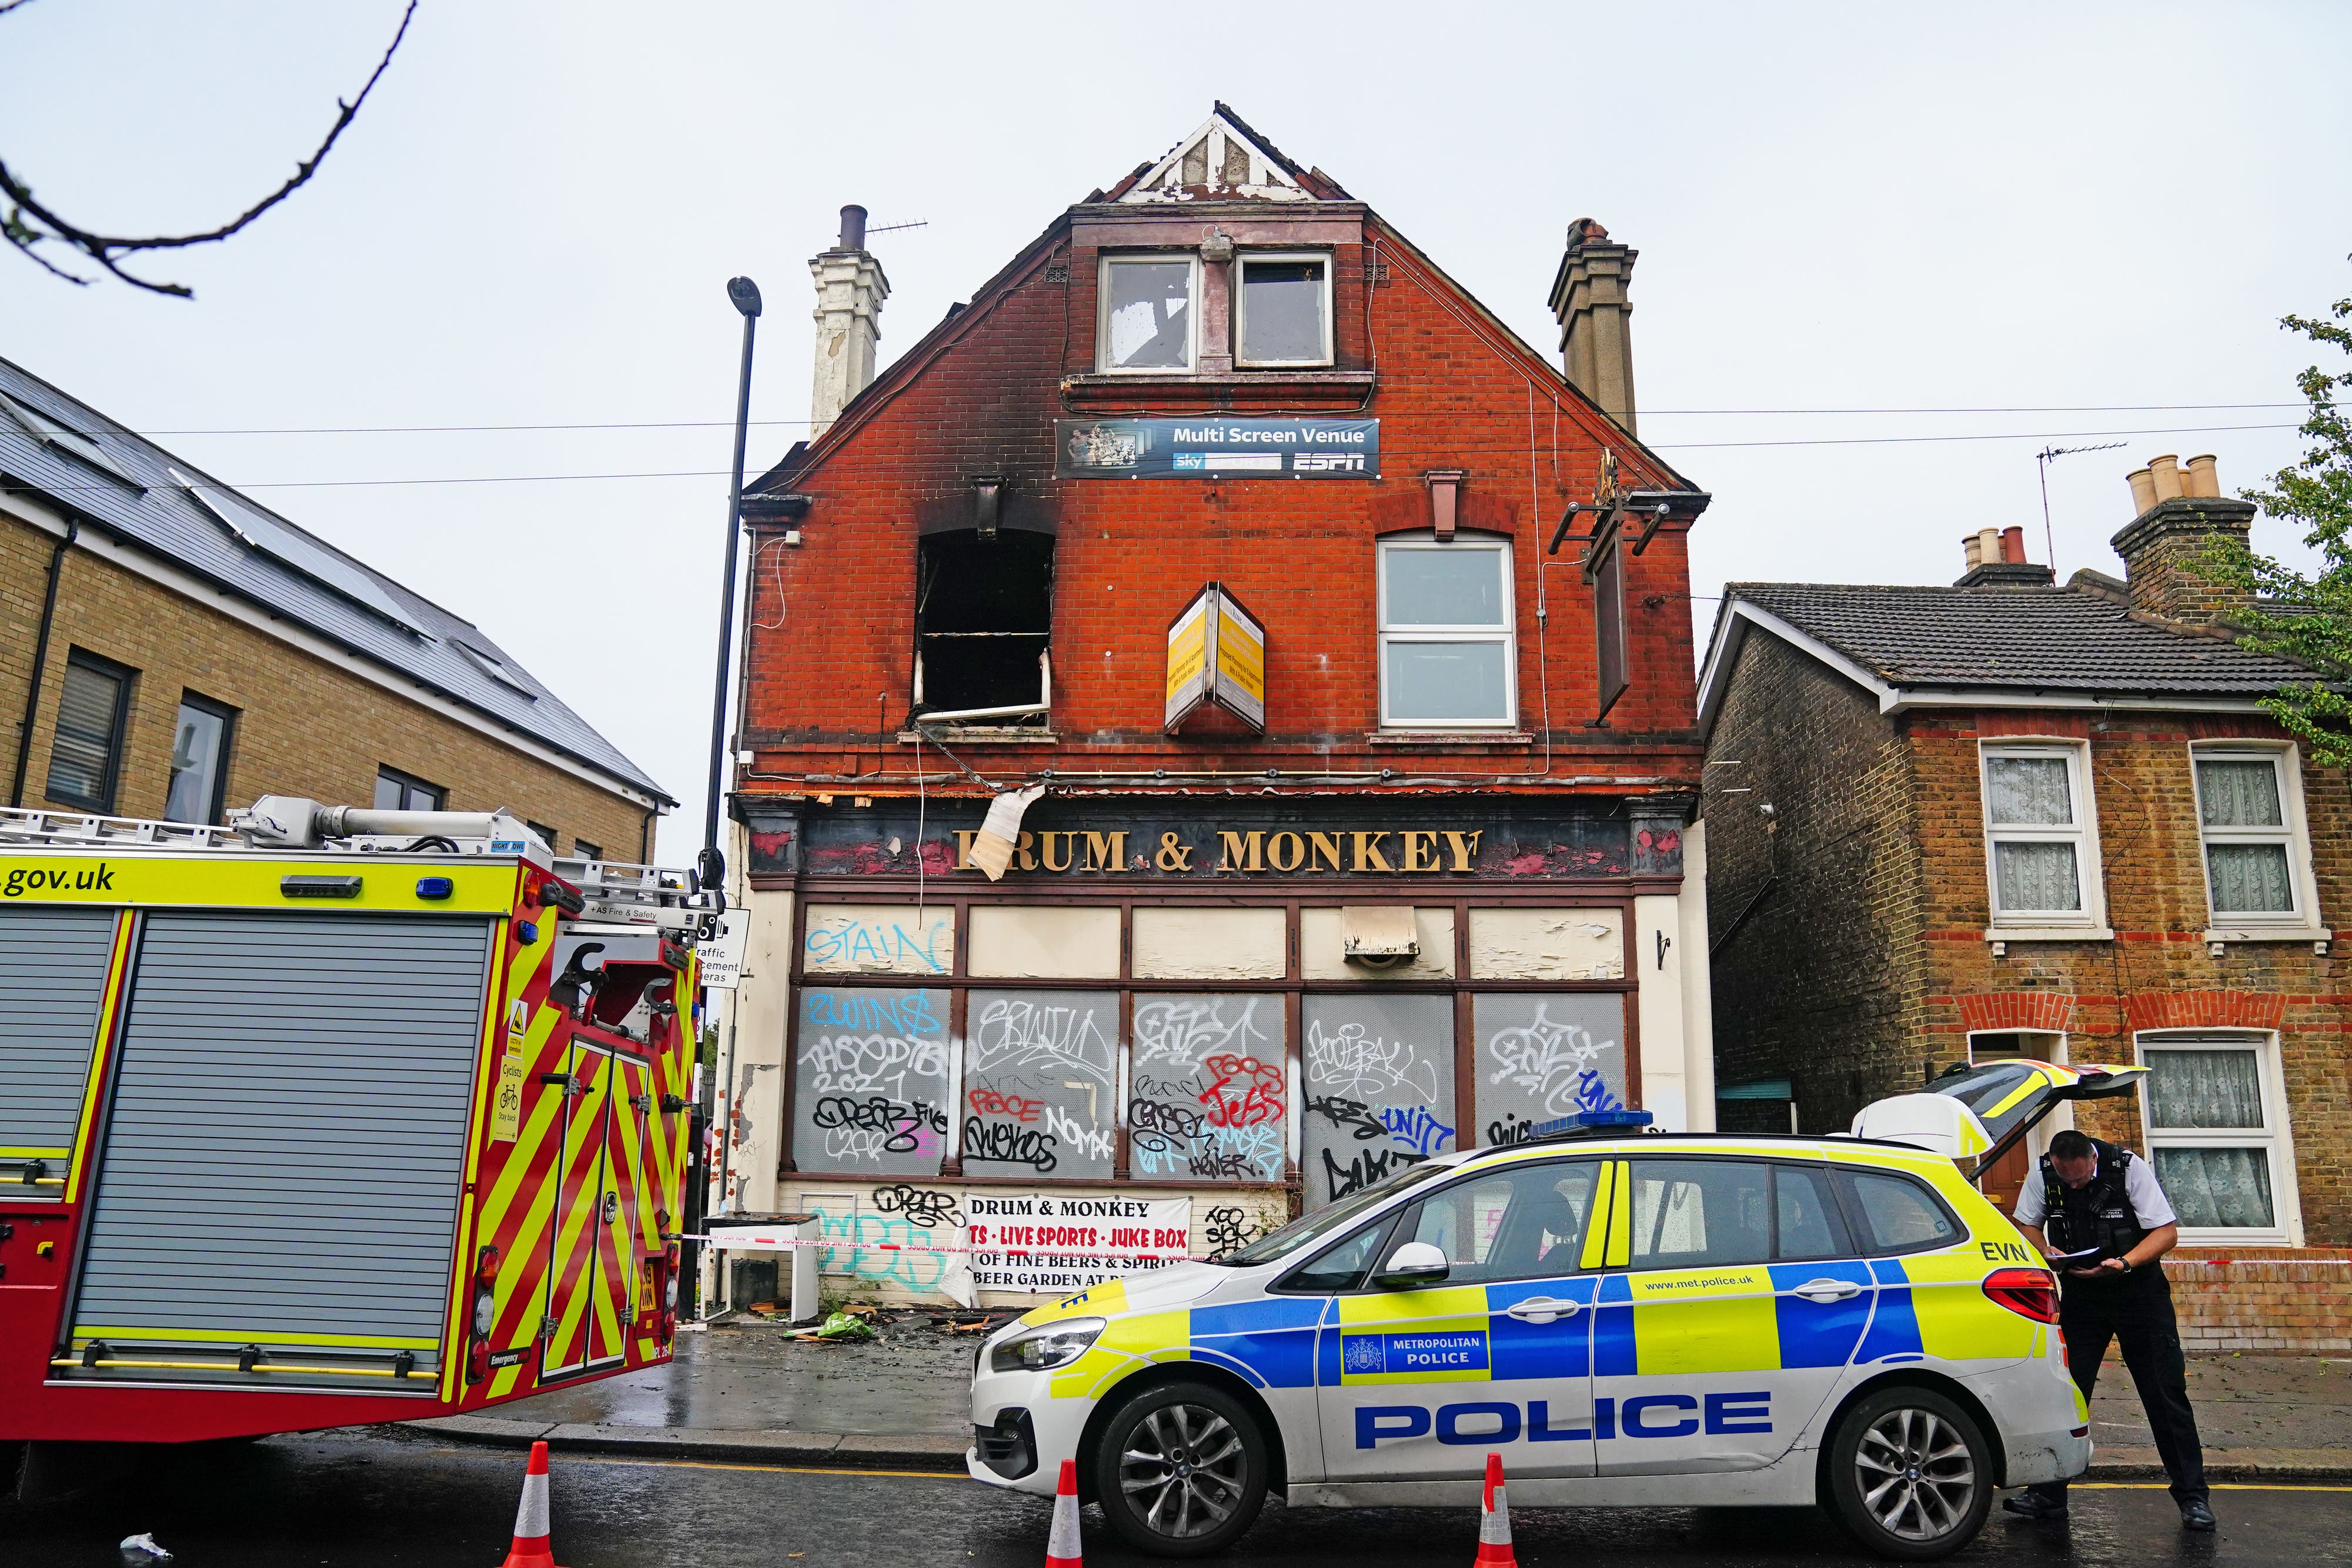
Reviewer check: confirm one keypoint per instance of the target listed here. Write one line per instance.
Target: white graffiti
(1013, 1033)
(848, 1063)
(1551, 1062)
(1077, 1138)
(1186, 1029)
(1349, 1061)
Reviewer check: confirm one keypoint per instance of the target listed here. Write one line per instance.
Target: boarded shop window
(398, 791)
(874, 1086)
(983, 621)
(86, 755)
(2210, 1132)
(199, 761)
(1448, 657)
(1147, 320)
(1041, 1083)
(1285, 310)
(1379, 1087)
(2254, 854)
(1544, 1059)
(1207, 1088)
(2038, 836)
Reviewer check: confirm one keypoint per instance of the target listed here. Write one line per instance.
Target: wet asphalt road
(368, 1501)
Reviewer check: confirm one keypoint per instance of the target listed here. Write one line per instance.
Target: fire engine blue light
(434, 887)
(526, 932)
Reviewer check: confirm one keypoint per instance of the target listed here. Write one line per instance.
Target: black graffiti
(1228, 1230)
(880, 1114)
(1159, 1116)
(921, 1206)
(1225, 1165)
(1366, 1169)
(1510, 1130)
(1348, 1114)
(1008, 1143)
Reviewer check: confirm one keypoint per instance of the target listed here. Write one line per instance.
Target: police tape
(757, 1242)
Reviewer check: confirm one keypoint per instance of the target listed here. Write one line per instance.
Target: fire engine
(330, 1116)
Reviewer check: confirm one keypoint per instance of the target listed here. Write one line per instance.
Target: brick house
(171, 649)
(2009, 818)
(1220, 512)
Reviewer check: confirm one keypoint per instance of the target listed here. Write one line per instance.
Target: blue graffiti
(882, 947)
(1593, 1094)
(1414, 1127)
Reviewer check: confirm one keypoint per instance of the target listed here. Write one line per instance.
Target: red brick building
(1220, 512)
(2008, 817)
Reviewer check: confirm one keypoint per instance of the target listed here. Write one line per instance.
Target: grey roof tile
(2040, 639)
(158, 513)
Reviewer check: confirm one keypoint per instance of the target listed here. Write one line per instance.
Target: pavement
(750, 1392)
(367, 1501)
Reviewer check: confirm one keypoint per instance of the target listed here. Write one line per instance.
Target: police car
(1627, 1320)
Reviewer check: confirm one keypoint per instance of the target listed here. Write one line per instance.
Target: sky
(2074, 222)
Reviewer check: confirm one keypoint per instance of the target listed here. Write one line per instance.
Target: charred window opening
(983, 615)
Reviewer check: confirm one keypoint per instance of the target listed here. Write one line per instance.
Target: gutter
(40, 661)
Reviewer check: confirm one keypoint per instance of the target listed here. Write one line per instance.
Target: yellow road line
(2217, 1486)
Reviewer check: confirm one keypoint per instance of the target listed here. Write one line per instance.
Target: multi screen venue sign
(1215, 446)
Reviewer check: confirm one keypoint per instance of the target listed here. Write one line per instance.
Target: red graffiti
(989, 1102)
(1246, 1091)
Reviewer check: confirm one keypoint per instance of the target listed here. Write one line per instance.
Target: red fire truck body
(343, 1117)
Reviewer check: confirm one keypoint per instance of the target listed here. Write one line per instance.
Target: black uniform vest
(2098, 1214)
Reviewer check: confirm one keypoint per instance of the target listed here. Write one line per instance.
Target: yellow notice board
(1216, 654)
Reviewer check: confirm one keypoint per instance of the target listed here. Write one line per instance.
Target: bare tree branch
(28, 224)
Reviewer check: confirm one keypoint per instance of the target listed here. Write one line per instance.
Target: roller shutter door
(53, 963)
(286, 1148)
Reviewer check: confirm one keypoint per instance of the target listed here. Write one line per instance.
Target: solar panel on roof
(305, 555)
(50, 432)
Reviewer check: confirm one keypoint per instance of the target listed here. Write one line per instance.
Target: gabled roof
(2047, 646)
(1225, 161)
(68, 455)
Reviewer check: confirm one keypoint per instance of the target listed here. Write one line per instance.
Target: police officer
(2092, 1194)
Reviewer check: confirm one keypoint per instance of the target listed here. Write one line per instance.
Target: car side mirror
(1412, 1266)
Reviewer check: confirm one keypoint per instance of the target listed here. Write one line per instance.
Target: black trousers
(2137, 1312)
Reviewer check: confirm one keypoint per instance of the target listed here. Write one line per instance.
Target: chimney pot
(2167, 472)
(2013, 545)
(2202, 481)
(1988, 546)
(2143, 488)
(852, 228)
(1596, 326)
(1972, 550)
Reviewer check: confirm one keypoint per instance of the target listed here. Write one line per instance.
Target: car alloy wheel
(1180, 1470)
(1908, 1473)
(1915, 1475)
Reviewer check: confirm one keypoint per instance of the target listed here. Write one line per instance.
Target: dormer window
(1148, 318)
(1286, 309)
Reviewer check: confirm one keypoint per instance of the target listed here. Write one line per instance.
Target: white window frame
(2276, 1140)
(2300, 924)
(1507, 633)
(1242, 265)
(1102, 313)
(2086, 923)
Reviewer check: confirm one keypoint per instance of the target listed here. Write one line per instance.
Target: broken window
(1285, 310)
(1147, 313)
(984, 614)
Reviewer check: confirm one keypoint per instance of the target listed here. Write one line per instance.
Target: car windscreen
(1308, 1230)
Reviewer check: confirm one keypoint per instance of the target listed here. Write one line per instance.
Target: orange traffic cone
(1494, 1520)
(1062, 1545)
(530, 1549)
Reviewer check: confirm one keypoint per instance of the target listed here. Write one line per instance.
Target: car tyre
(1909, 1474)
(1180, 1470)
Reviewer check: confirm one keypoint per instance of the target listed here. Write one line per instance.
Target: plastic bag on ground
(841, 1326)
(143, 1544)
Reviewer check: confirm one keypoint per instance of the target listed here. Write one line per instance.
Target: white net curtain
(2034, 873)
(2204, 1091)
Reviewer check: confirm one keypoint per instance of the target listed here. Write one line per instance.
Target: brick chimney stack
(2181, 508)
(1596, 321)
(850, 289)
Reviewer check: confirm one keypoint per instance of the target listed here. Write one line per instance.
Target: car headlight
(1055, 1345)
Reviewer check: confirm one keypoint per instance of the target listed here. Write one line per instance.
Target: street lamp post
(710, 866)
